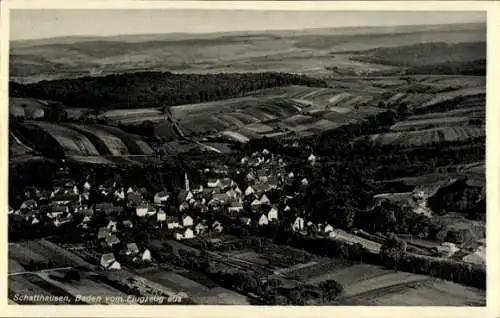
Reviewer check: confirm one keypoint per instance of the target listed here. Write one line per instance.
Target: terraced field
(87, 142)
(427, 137)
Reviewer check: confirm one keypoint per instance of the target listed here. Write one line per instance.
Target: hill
(302, 51)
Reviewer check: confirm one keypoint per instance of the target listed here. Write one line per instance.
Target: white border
(492, 161)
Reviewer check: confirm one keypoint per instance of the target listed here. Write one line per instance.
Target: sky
(37, 24)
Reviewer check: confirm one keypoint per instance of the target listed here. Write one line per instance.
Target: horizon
(32, 25)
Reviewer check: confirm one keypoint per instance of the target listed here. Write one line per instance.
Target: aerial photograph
(247, 157)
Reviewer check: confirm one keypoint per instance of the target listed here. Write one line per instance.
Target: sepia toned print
(159, 161)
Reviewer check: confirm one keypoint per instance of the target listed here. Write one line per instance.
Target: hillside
(302, 51)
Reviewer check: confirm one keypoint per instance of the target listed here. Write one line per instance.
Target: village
(198, 214)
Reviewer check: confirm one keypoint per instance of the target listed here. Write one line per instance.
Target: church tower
(186, 182)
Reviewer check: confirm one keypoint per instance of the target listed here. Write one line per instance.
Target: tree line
(154, 89)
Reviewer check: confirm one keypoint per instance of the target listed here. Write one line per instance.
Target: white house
(188, 234)
(35, 221)
(255, 204)
(264, 199)
(112, 226)
(312, 158)
(298, 225)
(109, 262)
(146, 256)
(272, 215)
(183, 206)
(141, 210)
(249, 190)
(87, 185)
(161, 216)
(263, 220)
(328, 228)
(112, 240)
(187, 220)
(287, 208)
(130, 190)
(304, 182)
(75, 190)
(213, 183)
(178, 235)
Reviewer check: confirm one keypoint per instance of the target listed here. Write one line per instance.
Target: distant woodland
(154, 89)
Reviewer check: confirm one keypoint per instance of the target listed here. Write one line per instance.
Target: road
(39, 271)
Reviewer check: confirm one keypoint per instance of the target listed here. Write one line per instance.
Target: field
(80, 141)
(427, 137)
(25, 251)
(316, 52)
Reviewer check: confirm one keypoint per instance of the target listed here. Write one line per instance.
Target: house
(57, 211)
(264, 199)
(187, 220)
(59, 222)
(184, 196)
(249, 190)
(226, 183)
(130, 190)
(263, 220)
(328, 228)
(103, 233)
(178, 234)
(262, 175)
(28, 205)
(231, 194)
(304, 182)
(213, 183)
(132, 249)
(105, 207)
(256, 204)
(184, 206)
(235, 207)
(146, 256)
(312, 158)
(134, 198)
(272, 215)
(120, 194)
(200, 228)
(112, 240)
(86, 219)
(142, 210)
(188, 234)
(109, 262)
(35, 221)
(251, 176)
(273, 182)
(298, 225)
(151, 211)
(161, 216)
(246, 221)
(447, 249)
(172, 223)
(217, 227)
(287, 208)
(219, 199)
(87, 186)
(161, 197)
(127, 224)
(112, 226)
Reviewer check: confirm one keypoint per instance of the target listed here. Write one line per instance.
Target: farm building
(188, 234)
(112, 226)
(120, 194)
(141, 210)
(328, 228)
(109, 262)
(178, 234)
(304, 182)
(264, 199)
(213, 183)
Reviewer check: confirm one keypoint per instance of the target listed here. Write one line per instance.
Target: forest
(154, 89)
